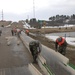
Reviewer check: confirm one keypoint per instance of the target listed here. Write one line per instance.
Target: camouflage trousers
(62, 50)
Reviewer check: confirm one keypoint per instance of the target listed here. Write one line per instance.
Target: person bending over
(35, 48)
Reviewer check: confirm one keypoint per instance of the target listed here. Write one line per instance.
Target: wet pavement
(14, 59)
(15, 71)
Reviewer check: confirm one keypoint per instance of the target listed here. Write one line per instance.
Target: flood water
(67, 34)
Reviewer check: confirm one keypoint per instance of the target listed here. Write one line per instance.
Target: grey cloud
(61, 7)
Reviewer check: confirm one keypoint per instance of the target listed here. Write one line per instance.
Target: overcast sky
(23, 9)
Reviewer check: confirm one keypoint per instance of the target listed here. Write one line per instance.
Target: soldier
(15, 31)
(0, 32)
(61, 44)
(35, 48)
(12, 32)
(18, 32)
(27, 32)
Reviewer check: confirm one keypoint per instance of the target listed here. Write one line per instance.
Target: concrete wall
(56, 62)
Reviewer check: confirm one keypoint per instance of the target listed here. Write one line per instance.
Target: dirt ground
(49, 43)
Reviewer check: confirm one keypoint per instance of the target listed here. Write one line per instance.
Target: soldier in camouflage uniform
(35, 48)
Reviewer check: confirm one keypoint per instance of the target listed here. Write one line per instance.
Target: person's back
(27, 32)
(35, 48)
(32, 46)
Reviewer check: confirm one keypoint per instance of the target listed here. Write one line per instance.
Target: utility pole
(2, 18)
(33, 9)
(44, 24)
(2, 15)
